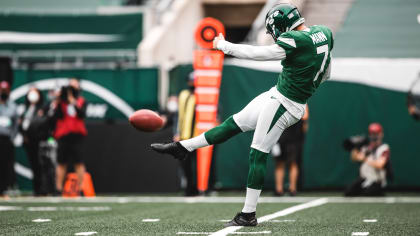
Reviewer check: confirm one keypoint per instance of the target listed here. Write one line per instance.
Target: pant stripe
(280, 111)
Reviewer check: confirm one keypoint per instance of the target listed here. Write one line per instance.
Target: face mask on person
(374, 138)
(172, 106)
(33, 97)
(4, 96)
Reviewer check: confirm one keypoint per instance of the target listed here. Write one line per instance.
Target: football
(146, 120)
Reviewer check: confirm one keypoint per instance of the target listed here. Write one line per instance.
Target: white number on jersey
(320, 50)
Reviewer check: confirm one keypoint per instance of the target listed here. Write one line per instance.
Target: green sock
(222, 132)
(257, 169)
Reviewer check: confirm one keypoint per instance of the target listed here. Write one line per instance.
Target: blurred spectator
(374, 158)
(34, 129)
(8, 130)
(185, 130)
(69, 112)
(413, 103)
(288, 151)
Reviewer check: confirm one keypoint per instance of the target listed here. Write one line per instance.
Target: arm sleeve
(257, 53)
(15, 127)
(81, 110)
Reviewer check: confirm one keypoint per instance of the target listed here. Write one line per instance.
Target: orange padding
(208, 60)
(71, 186)
(206, 115)
(206, 30)
(204, 156)
(207, 98)
(207, 81)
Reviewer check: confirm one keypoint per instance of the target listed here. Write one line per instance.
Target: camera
(66, 90)
(355, 142)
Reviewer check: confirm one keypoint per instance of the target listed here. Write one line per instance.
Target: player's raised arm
(242, 51)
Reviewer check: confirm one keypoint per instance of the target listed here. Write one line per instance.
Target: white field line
(86, 233)
(42, 208)
(10, 208)
(207, 233)
(193, 233)
(261, 232)
(284, 212)
(49, 208)
(150, 220)
(157, 199)
(370, 220)
(41, 220)
(360, 233)
(282, 221)
(274, 221)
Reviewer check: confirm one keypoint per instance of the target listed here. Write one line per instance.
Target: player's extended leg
(272, 120)
(243, 121)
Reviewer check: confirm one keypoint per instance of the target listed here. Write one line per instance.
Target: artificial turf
(126, 218)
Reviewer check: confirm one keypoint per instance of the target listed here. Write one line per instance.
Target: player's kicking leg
(230, 127)
(272, 120)
(218, 134)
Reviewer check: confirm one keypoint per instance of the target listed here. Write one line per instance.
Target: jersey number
(319, 50)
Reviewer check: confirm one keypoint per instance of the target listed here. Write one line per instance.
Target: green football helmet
(282, 18)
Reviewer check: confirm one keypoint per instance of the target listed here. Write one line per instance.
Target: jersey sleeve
(258, 53)
(287, 42)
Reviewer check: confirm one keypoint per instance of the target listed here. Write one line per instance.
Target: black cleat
(243, 219)
(175, 149)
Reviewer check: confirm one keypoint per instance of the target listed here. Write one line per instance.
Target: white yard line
(359, 233)
(41, 220)
(370, 220)
(282, 221)
(150, 220)
(207, 233)
(49, 208)
(193, 233)
(260, 232)
(157, 199)
(274, 221)
(284, 212)
(10, 208)
(86, 233)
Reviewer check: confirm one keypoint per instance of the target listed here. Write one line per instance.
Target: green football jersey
(308, 55)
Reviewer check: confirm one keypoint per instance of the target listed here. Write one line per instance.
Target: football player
(305, 56)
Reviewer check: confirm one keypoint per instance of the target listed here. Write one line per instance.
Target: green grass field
(205, 215)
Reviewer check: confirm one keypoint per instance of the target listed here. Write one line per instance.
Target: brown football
(146, 120)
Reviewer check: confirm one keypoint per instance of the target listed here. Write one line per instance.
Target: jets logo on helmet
(282, 18)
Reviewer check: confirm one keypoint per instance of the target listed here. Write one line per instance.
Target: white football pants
(268, 117)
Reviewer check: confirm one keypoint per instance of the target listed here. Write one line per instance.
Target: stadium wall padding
(71, 31)
(136, 87)
(120, 160)
(337, 110)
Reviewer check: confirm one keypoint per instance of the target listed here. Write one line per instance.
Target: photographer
(69, 110)
(374, 158)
